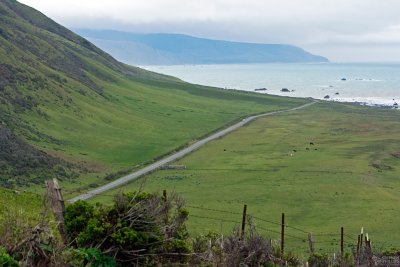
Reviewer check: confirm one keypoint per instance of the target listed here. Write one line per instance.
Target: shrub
(234, 250)
(139, 229)
(88, 257)
(319, 260)
(6, 260)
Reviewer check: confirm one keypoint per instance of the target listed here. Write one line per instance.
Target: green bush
(139, 227)
(95, 258)
(6, 260)
(86, 257)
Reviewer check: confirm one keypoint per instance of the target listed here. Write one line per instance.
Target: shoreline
(364, 84)
(355, 100)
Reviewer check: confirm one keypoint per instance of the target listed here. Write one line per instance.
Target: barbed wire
(264, 220)
(298, 229)
(349, 236)
(215, 219)
(324, 234)
(216, 210)
(267, 230)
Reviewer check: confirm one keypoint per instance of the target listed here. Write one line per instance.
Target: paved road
(178, 155)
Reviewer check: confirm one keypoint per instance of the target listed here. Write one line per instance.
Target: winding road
(178, 155)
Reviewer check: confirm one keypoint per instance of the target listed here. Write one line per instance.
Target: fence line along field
(326, 166)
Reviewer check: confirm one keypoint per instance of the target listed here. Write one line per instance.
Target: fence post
(283, 235)
(341, 242)
(243, 221)
(56, 201)
(358, 250)
(368, 250)
(164, 198)
(311, 243)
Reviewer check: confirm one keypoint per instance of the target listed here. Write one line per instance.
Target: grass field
(349, 176)
(19, 208)
(151, 120)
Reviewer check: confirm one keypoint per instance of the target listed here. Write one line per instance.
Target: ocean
(371, 84)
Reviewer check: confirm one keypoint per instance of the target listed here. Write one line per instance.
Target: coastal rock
(337, 93)
(327, 97)
(285, 90)
(344, 79)
(260, 89)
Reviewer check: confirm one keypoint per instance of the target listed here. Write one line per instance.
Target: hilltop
(173, 49)
(70, 110)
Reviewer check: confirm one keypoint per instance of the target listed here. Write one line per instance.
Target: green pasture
(19, 209)
(138, 121)
(326, 166)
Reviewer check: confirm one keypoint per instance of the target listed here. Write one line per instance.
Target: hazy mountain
(159, 49)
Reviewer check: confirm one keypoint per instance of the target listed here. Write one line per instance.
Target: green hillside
(71, 111)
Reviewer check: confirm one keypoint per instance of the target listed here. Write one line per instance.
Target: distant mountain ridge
(171, 49)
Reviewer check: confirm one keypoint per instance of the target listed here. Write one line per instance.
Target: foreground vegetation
(326, 166)
(141, 229)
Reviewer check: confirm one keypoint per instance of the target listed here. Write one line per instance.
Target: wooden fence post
(164, 198)
(311, 243)
(358, 250)
(56, 201)
(283, 235)
(341, 242)
(243, 221)
(368, 250)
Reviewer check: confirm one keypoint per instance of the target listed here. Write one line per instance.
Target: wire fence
(295, 237)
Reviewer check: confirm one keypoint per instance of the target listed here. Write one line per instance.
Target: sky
(342, 30)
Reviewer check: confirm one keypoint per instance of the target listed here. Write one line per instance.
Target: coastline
(370, 101)
(373, 85)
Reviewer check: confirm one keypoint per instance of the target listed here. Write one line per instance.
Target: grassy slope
(70, 99)
(19, 207)
(147, 123)
(351, 180)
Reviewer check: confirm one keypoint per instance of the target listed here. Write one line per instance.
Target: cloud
(309, 23)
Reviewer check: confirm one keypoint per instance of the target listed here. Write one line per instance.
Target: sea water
(372, 84)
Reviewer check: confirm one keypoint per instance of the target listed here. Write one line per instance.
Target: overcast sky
(342, 30)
